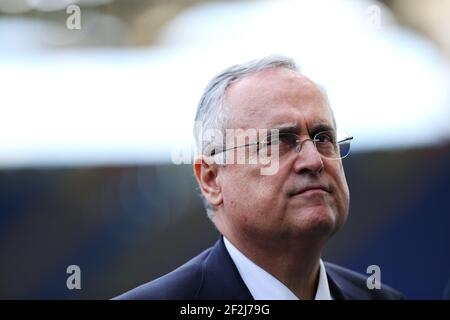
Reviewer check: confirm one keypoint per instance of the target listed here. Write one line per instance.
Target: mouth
(311, 190)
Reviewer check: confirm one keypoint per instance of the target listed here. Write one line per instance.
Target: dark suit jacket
(213, 275)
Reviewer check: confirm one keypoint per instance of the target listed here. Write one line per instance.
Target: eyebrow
(287, 128)
(323, 126)
(294, 128)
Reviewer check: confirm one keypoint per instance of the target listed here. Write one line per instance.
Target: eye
(288, 139)
(282, 138)
(324, 137)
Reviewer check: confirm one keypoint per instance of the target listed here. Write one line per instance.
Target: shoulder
(354, 285)
(210, 275)
(180, 284)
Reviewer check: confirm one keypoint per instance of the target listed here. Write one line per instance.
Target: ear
(206, 172)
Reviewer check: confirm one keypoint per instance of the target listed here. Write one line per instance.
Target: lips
(316, 187)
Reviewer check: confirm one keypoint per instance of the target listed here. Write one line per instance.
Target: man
(274, 225)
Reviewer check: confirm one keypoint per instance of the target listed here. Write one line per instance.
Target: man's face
(272, 206)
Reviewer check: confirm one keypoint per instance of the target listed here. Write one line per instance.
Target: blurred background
(97, 99)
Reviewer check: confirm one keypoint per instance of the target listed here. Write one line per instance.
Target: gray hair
(211, 112)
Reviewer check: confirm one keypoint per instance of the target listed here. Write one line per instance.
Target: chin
(317, 221)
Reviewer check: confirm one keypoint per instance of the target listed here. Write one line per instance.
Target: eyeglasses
(330, 144)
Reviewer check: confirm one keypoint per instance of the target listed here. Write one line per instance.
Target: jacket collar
(221, 279)
(336, 290)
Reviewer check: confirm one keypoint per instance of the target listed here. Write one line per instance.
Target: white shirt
(263, 286)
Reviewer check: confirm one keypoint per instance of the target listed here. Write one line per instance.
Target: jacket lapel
(336, 291)
(221, 279)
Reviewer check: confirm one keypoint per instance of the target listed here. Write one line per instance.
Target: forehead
(276, 96)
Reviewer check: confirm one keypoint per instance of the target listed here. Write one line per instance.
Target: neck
(294, 263)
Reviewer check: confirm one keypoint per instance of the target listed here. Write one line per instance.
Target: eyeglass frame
(299, 143)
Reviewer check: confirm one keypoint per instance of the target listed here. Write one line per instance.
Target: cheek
(249, 191)
(342, 188)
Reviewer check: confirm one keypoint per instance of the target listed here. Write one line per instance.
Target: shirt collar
(263, 286)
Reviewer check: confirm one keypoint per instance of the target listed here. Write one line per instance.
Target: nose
(308, 159)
